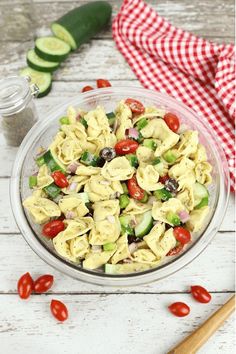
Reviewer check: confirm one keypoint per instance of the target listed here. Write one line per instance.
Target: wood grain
(98, 324)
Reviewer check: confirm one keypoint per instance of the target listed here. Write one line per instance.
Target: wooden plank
(214, 268)
(107, 324)
(210, 19)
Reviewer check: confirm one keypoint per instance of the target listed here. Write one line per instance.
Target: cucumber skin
(45, 93)
(50, 57)
(40, 68)
(85, 21)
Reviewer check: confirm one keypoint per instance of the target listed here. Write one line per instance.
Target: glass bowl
(41, 135)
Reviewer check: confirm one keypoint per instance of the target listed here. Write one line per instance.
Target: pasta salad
(120, 191)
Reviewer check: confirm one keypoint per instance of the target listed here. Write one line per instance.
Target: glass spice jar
(17, 109)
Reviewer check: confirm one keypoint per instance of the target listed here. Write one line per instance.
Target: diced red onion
(72, 167)
(183, 215)
(73, 186)
(111, 219)
(133, 222)
(133, 247)
(70, 214)
(132, 133)
(78, 117)
(151, 200)
(35, 174)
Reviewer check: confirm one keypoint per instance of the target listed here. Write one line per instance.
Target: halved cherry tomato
(103, 83)
(43, 283)
(126, 146)
(200, 294)
(25, 286)
(135, 106)
(163, 179)
(182, 235)
(175, 250)
(135, 191)
(172, 121)
(87, 88)
(59, 310)
(52, 228)
(179, 309)
(60, 179)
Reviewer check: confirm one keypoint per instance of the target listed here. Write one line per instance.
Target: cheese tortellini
(117, 202)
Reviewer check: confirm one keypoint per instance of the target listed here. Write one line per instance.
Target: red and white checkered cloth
(199, 73)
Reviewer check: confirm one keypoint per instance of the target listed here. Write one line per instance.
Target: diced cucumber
(149, 143)
(124, 201)
(132, 159)
(145, 225)
(84, 197)
(52, 163)
(156, 161)
(125, 224)
(111, 118)
(201, 195)
(84, 122)
(109, 246)
(39, 64)
(52, 190)
(173, 219)
(32, 181)
(40, 161)
(64, 120)
(82, 23)
(42, 80)
(141, 123)
(125, 188)
(51, 49)
(89, 159)
(170, 156)
(162, 194)
(145, 198)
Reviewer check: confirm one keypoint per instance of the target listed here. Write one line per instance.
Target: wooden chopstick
(195, 340)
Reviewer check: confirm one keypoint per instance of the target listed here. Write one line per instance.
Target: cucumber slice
(89, 159)
(145, 225)
(36, 63)
(125, 224)
(84, 197)
(52, 190)
(51, 49)
(201, 195)
(42, 80)
(52, 162)
(82, 23)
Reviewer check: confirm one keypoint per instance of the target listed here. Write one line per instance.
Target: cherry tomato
(52, 228)
(25, 286)
(135, 106)
(59, 310)
(179, 309)
(163, 179)
(60, 179)
(87, 88)
(175, 250)
(126, 146)
(43, 283)
(172, 121)
(135, 191)
(103, 83)
(182, 235)
(200, 294)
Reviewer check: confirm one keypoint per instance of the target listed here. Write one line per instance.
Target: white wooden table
(107, 320)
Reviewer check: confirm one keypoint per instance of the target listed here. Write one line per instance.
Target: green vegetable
(141, 123)
(145, 198)
(52, 164)
(52, 190)
(51, 49)
(125, 224)
(109, 246)
(140, 138)
(36, 63)
(201, 195)
(89, 159)
(64, 120)
(149, 143)
(84, 122)
(111, 118)
(170, 156)
(82, 23)
(162, 194)
(132, 159)
(32, 181)
(84, 197)
(173, 218)
(42, 80)
(203, 202)
(145, 225)
(156, 161)
(125, 188)
(124, 201)
(40, 161)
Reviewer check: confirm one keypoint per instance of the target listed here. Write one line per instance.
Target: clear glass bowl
(41, 135)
